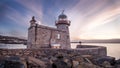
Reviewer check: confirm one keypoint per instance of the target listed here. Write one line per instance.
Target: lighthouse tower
(63, 24)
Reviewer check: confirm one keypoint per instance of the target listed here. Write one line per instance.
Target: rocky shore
(55, 58)
(59, 61)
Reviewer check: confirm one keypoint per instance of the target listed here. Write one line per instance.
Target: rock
(87, 56)
(36, 61)
(68, 61)
(75, 63)
(87, 65)
(106, 64)
(45, 59)
(70, 55)
(109, 59)
(59, 64)
(59, 56)
(78, 58)
(118, 61)
(2, 64)
(13, 62)
(53, 59)
(117, 66)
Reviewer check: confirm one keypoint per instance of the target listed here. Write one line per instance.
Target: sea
(113, 49)
(12, 46)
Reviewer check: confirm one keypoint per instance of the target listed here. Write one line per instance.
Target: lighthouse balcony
(63, 22)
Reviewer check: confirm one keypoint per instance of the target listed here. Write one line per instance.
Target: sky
(90, 19)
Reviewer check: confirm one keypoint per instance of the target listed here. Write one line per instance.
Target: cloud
(22, 17)
(32, 6)
(89, 14)
(19, 13)
(85, 15)
(17, 17)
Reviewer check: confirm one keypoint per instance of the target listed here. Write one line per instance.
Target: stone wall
(31, 36)
(42, 36)
(38, 53)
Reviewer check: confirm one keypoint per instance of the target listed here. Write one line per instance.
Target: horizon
(90, 19)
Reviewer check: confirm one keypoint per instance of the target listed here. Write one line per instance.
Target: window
(58, 36)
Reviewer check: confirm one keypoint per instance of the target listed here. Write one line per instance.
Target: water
(113, 49)
(12, 46)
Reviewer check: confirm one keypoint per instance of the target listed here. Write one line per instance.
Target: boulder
(87, 56)
(75, 63)
(109, 59)
(87, 65)
(13, 62)
(106, 64)
(117, 65)
(59, 64)
(52, 60)
(37, 62)
(78, 58)
(118, 61)
(68, 61)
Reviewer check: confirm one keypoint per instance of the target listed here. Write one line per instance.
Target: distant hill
(99, 41)
(12, 40)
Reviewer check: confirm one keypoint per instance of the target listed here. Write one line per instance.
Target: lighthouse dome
(62, 16)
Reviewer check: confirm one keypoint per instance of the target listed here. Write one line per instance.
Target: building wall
(65, 27)
(42, 37)
(31, 37)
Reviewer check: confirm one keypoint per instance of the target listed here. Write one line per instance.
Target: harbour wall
(96, 51)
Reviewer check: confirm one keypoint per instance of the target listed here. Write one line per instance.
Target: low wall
(96, 52)
(93, 50)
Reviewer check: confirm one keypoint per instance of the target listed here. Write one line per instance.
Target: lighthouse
(63, 24)
(40, 36)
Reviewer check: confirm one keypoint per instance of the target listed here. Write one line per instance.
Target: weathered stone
(75, 63)
(87, 56)
(87, 65)
(69, 62)
(59, 64)
(37, 62)
(79, 59)
(13, 62)
(118, 61)
(53, 59)
(117, 66)
(109, 59)
(106, 64)
(50, 56)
